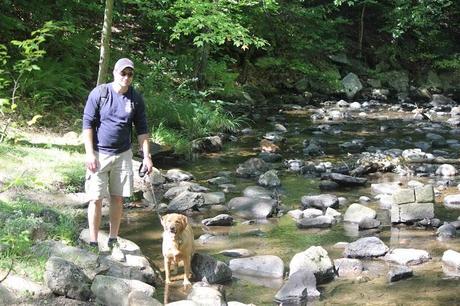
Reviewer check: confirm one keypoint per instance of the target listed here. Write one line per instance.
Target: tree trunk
(105, 43)
(201, 64)
(361, 31)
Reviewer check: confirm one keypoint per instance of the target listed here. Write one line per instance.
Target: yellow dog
(177, 244)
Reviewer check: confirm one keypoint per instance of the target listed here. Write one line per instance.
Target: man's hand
(91, 162)
(147, 163)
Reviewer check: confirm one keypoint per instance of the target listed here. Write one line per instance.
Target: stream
(380, 126)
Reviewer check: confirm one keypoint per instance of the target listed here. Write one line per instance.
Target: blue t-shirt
(112, 120)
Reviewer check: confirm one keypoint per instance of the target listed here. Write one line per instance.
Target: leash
(142, 172)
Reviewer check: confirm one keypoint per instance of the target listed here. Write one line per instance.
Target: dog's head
(174, 223)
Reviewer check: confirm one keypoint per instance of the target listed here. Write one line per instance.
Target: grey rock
(347, 180)
(365, 247)
(205, 266)
(252, 208)
(321, 201)
(397, 273)
(357, 212)
(177, 175)
(348, 267)
(300, 286)
(261, 266)
(65, 278)
(317, 222)
(186, 200)
(219, 220)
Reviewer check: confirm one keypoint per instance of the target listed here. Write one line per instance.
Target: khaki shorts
(113, 178)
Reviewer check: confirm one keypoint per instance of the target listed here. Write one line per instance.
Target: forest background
(196, 58)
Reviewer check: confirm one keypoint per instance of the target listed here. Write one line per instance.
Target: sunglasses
(129, 74)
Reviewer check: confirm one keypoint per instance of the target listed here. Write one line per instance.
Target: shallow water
(279, 236)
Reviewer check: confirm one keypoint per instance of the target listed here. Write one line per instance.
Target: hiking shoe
(112, 243)
(94, 247)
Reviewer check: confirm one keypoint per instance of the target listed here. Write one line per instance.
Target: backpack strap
(103, 94)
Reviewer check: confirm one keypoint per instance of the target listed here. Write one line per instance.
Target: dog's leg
(167, 270)
(187, 271)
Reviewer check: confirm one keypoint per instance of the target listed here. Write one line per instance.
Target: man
(110, 112)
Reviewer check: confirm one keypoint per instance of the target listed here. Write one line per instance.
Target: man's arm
(90, 160)
(144, 146)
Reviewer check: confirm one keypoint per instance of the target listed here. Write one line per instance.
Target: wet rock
(321, 201)
(397, 273)
(348, 267)
(411, 212)
(311, 213)
(65, 278)
(446, 170)
(269, 179)
(386, 188)
(368, 223)
(403, 196)
(257, 192)
(452, 201)
(219, 220)
(331, 212)
(115, 291)
(186, 200)
(353, 146)
(441, 100)
(351, 84)
(300, 286)
(261, 266)
(294, 164)
(270, 157)
(317, 222)
(219, 180)
(452, 259)
(346, 180)
(313, 149)
(173, 192)
(357, 213)
(205, 294)
(237, 253)
(416, 154)
(252, 208)
(251, 168)
(227, 188)
(177, 175)
(139, 298)
(446, 231)
(205, 266)
(296, 214)
(315, 259)
(365, 247)
(328, 185)
(212, 198)
(407, 256)
(207, 144)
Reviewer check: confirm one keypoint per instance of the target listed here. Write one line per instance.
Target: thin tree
(105, 43)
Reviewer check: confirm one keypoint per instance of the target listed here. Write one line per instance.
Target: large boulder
(300, 286)
(252, 208)
(365, 248)
(315, 259)
(252, 168)
(205, 266)
(357, 213)
(351, 84)
(115, 291)
(260, 266)
(65, 278)
(322, 201)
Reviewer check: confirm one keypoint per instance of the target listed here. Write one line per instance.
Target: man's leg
(115, 213)
(94, 219)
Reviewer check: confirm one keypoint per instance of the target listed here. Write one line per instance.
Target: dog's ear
(183, 221)
(162, 220)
